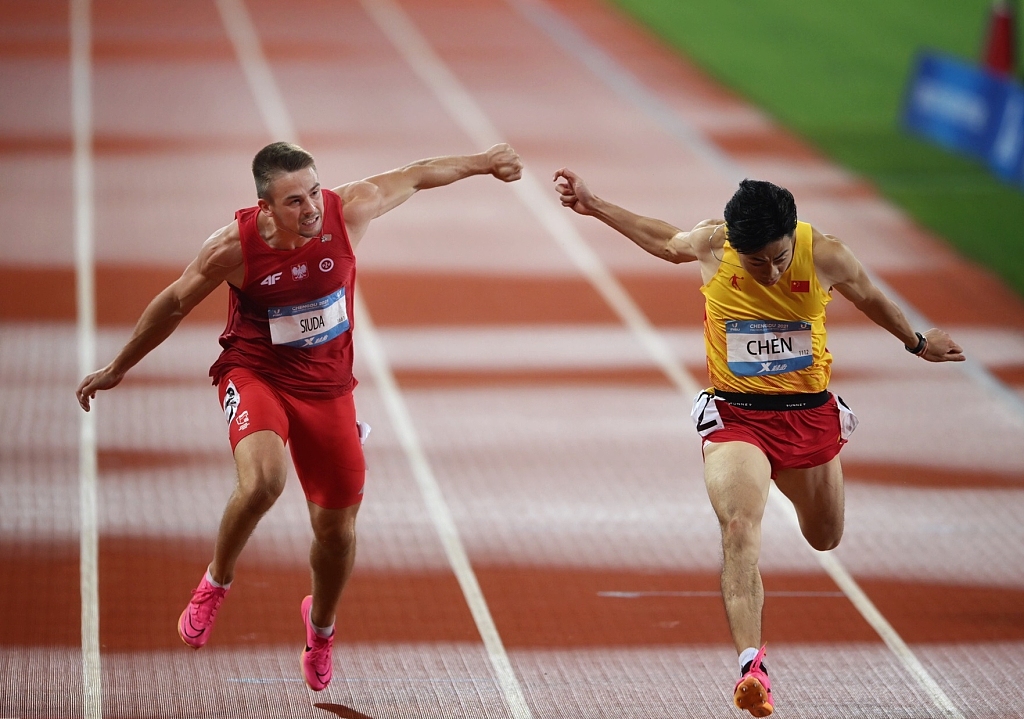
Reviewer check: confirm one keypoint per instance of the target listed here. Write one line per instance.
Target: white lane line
(886, 631)
(468, 115)
(464, 110)
(240, 29)
(372, 351)
(275, 113)
(81, 121)
(835, 569)
(625, 84)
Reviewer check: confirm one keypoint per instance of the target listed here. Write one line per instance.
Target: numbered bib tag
(847, 419)
(760, 347)
(704, 414)
(309, 324)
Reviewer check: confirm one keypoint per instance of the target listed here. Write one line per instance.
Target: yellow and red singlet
(767, 340)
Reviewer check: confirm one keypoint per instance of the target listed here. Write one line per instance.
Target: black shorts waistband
(775, 402)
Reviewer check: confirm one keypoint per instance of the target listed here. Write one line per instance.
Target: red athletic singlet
(291, 321)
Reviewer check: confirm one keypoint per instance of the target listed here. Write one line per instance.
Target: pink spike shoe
(316, 657)
(196, 622)
(753, 692)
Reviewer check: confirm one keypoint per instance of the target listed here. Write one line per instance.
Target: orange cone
(1001, 47)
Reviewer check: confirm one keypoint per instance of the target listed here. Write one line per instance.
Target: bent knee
(337, 537)
(825, 543)
(261, 492)
(824, 539)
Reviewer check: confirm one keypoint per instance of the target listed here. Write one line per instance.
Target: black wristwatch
(921, 344)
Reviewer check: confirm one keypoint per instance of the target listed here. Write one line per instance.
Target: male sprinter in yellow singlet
(769, 415)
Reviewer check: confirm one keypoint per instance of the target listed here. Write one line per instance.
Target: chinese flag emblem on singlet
(800, 286)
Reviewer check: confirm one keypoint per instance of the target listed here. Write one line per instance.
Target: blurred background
(838, 75)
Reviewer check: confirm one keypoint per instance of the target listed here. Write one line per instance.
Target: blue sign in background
(1006, 156)
(969, 109)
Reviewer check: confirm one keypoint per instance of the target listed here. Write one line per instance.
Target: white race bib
(309, 324)
(760, 347)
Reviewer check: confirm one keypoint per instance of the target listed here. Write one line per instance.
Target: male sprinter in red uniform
(285, 373)
(769, 415)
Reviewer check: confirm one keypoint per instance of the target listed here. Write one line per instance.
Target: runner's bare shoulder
(361, 201)
(707, 238)
(359, 191)
(833, 260)
(221, 255)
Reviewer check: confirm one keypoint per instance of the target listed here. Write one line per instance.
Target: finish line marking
(711, 593)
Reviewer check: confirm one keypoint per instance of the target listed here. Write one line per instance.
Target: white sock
(323, 633)
(747, 655)
(209, 578)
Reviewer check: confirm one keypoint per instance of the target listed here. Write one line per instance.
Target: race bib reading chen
(760, 347)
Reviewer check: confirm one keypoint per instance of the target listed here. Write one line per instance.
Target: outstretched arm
(655, 236)
(837, 267)
(219, 260)
(368, 199)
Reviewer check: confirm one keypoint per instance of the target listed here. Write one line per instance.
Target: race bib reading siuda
(309, 324)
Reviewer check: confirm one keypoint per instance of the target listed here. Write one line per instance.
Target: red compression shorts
(790, 439)
(321, 434)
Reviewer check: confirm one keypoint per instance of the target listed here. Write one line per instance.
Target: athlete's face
(296, 203)
(768, 264)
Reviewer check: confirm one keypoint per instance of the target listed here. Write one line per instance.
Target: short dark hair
(759, 213)
(275, 159)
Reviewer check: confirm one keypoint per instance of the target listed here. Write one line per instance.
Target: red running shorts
(320, 433)
(790, 439)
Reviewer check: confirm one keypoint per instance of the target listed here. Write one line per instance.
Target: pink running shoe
(196, 622)
(316, 657)
(753, 691)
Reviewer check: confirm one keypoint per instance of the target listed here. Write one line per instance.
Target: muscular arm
(837, 267)
(657, 237)
(220, 259)
(368, 199)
